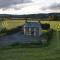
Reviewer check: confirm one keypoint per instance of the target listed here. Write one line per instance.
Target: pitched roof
(32, 24)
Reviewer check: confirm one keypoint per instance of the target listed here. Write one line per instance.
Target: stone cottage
(32, 28)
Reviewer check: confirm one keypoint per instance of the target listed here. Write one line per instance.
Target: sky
(21, 7)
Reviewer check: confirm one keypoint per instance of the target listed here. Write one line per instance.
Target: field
(50, 52)
(9, 24)
(53, 24)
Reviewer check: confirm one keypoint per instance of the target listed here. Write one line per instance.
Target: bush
(45, 26)
(46, 37)
(3, 30)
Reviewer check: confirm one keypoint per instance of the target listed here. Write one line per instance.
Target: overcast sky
(29, 6)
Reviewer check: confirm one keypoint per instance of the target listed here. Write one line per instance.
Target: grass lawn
(50, 52)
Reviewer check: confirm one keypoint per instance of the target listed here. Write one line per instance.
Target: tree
(52, 18)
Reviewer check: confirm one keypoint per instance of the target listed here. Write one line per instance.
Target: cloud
(10, 3)
(54, 6)
(29, 6)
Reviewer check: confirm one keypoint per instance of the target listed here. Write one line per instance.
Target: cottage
(32, 28)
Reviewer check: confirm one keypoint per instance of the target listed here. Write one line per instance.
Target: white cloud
(36, 6)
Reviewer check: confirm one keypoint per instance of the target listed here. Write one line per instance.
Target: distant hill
(41, 16)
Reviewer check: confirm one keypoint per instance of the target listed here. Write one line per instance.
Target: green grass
(50, 52)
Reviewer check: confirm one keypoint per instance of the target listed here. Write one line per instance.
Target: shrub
(3, 30)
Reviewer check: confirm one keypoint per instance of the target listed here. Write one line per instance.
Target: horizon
(33, 13)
